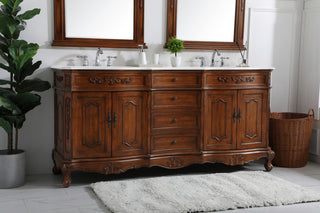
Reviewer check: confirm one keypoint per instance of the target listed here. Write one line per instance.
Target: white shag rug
(200, 193)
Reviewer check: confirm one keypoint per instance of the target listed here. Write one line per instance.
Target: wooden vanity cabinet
(111, 121)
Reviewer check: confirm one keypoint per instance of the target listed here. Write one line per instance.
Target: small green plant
(175, 45)
(17, 95)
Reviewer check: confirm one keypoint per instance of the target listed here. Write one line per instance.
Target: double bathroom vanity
(112, 119)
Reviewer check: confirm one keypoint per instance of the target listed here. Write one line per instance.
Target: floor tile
(45, 194)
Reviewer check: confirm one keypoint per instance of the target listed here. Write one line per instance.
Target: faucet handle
(109, 60)
(202, 61)
(84, 58)
(222, 60)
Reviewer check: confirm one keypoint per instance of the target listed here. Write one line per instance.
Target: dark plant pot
(12, 169)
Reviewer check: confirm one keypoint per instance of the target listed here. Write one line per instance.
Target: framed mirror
(99, 23)
(207, 24)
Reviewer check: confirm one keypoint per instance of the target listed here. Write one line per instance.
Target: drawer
(237, 80)
(172, 99)
(173, 143)
(176, 80)
(176, 120)
(103, 81)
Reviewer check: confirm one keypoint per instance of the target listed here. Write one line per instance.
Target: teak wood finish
(60, 38)
(111, 121)
(204, 45)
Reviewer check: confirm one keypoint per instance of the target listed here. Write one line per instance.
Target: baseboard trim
(314, 158)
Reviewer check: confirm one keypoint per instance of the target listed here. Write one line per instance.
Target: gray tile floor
(44, 193)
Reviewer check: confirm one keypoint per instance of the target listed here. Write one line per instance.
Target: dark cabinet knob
(175, 79)
(175, 98)
(175, 120)
(174, 142)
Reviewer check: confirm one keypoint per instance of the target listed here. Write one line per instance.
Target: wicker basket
(290, 138)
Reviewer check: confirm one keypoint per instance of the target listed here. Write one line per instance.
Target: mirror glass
(211, 20)
(99, 19)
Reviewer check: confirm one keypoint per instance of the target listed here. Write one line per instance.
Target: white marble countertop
(155, 68)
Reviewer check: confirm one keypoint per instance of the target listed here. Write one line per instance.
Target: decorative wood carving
(109, 81)
(113, 168)
(238, 159)
(67, 81)
(67, 117)
(59, 78)
(223, 79)
(235, 79)
(251, 137)
(174, 162)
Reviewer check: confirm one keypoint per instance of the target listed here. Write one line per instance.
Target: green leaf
(12, 5)
(4, 82)
(3, 55)
(175, 45)
(6, 92)
(27, 101)
(18, 30)
(28, 69)
(8, 25)
(2, 66)
(21, 52)
(36, 85)
(29, 14)
(5, 125)
(3, 1)
(9, 105)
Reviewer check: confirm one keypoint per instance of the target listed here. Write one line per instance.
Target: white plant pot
(176, 61)
(12, 169)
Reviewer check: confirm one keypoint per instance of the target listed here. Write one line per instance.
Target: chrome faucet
(99, 52)
(213, 61)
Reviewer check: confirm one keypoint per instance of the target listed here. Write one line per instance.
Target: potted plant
(175, 46)
(17, 95)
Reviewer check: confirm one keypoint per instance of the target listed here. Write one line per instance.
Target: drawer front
(237, 80)
(172, 99)
(171, 144)
(177, 80)
(100, 81)
(178, 120)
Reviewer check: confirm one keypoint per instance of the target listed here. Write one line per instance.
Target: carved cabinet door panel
(219, 123)
(130, 123)
(91, 132)
(252, 119)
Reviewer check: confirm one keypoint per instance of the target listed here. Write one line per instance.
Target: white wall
(273, 38)
(309, 78)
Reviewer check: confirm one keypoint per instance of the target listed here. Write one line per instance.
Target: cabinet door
(130, 125)
(253, 119)
(92, 136)
(219, 123)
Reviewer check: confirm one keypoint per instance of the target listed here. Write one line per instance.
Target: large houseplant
(17, 95)
(175, 46)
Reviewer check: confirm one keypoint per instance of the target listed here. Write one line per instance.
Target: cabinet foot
(55, 169)
(268, 165)
(66, 173)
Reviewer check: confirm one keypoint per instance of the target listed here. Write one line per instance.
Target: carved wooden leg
(55, 169)
(66, 173)
(268, 165)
